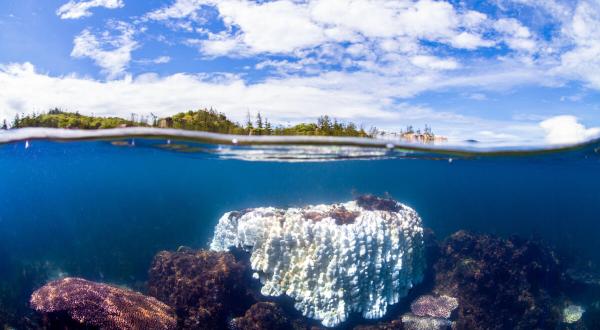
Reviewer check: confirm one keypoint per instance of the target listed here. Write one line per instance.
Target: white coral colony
(331, 259)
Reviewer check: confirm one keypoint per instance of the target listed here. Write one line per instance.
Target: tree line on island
(208, 120)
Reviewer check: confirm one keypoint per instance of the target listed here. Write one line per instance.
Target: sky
(517, 71)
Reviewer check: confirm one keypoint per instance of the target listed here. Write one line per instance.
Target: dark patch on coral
(374, 203)
(205, 287)
(340, 214)
(500, 283)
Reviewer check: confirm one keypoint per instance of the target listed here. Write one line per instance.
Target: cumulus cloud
(567, 130)
(78, 9)
(333, 31)
(110, 51)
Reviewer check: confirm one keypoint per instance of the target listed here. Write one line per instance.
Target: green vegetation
(207, 120)
(202, 120)
(210, 120)
(57, 118)
(214, 121)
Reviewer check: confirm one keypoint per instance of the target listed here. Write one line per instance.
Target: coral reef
(500, 283)
(415, 322)
(428, 305)
(572, 313)
(204, 287)
(392, 325)
(102, 305)
(359, 256)
(265, 315)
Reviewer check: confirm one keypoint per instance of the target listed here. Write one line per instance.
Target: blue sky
(516, 71)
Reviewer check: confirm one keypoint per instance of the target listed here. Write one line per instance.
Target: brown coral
(500, 283)
(205, 287)
(102, 305)
(263, 315)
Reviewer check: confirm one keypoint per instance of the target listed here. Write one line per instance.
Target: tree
(4, 125)
(249, 126)
(268, 129)
(16, 121)
(259, 121)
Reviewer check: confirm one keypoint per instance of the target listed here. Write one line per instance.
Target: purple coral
(428, 305)
(102, 305)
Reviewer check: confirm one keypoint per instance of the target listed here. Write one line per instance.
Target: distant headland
(210, 120)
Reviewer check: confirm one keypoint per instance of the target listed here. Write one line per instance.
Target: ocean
(102, 209)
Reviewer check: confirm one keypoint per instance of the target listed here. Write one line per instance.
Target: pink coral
(102, 305)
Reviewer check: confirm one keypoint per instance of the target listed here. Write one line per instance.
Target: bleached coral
(331, 259)
(572, 313)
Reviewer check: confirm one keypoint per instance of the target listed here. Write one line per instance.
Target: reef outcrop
(104, 306)
(359, 256)
(204, 287)
(265, 315)
(500, 283)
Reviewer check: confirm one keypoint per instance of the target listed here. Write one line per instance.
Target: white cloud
(470, 41)
(515, 35)
(287, 27)
(567, 130)
(582, 60)
(178, 10)
(157, 60)
(110, 52)
(78, 9)
(434, 63)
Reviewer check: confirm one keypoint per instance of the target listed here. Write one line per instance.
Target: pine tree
(249, 126)
(4, 125)
(16, 121)
(268, 129)
(259, 121)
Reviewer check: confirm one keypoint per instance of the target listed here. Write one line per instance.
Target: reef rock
(359, 256)
(102, 305)
(264, 315)
(205, 287)
(500, 283)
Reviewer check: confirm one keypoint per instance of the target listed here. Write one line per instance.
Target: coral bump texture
(359, 256)
(102, 305)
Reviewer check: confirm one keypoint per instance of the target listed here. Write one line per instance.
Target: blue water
(101, 211)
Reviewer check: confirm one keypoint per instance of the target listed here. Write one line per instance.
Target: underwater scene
(164, 232)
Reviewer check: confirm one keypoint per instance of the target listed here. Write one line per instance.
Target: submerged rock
(500, 283)
(101, 305)
(205, 287)
(359, 256)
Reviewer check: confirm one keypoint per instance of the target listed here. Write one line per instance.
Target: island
(210, 120)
